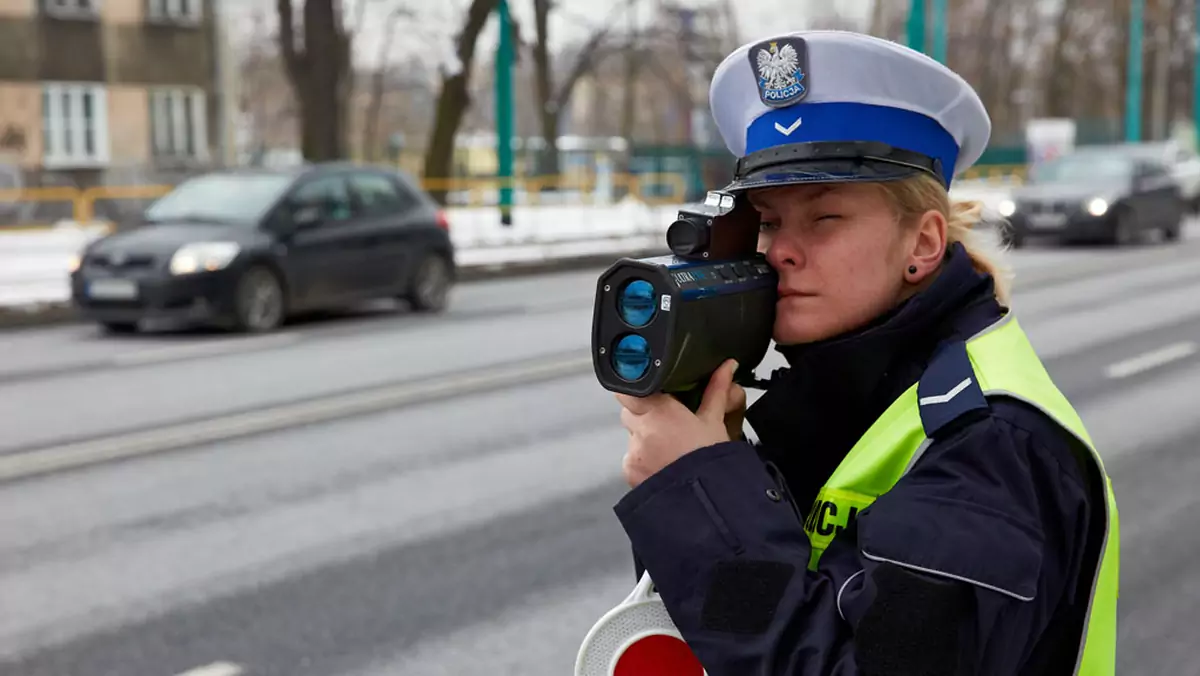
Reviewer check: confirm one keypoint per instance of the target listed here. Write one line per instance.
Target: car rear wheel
(430, 290)
(1174, 231)
(259, 302)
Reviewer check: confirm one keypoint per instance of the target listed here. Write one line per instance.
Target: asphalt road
(389, 494)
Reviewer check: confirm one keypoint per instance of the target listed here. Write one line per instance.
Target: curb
(51, 314)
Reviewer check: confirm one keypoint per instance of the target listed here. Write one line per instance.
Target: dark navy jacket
(979, 560)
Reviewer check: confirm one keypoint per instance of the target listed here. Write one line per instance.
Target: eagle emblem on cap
(779, 66)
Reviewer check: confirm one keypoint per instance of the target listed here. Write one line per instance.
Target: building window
(183, 11)
(179, 123)
(74, 124)
(72, 9)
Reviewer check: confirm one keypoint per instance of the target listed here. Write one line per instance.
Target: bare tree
(370, 140)
(632, 70)
(454, 96)
(551, 99)
(260, 74)
(888, 19)
(318, 69)
(833, 19)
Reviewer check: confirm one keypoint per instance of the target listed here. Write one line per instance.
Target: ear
(928, 247)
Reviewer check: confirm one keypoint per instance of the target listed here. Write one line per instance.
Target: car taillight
(442, 221)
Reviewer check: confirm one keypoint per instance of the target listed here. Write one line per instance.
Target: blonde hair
(912, 197)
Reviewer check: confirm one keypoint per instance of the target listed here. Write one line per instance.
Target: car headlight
(203, 257)
(1097, 207)
(1006, 208)
(74, 262)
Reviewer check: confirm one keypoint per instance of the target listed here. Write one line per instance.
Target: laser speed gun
(664, 324)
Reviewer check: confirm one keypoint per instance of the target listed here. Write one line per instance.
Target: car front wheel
(259, 301)
(1125, 228)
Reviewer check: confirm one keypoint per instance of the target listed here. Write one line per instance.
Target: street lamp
(1196, 77)
(504, 112)
(916, 25)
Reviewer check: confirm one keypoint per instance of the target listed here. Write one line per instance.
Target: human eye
(828, 217)
(768, 226)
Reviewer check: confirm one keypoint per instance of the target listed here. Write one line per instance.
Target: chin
(798, 328)
(791, 334)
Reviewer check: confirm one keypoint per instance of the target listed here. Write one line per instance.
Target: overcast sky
(575, 19)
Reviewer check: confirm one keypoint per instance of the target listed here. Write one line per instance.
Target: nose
(782, 253)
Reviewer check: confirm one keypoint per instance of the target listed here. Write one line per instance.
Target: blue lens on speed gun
(665, 323)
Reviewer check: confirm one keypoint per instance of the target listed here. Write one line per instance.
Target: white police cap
(838, 106)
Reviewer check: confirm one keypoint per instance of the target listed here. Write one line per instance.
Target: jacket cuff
(712, 506)
(689, 466)
(716, 502)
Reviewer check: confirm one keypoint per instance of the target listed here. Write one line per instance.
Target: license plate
(113, 289)
(1048, 220)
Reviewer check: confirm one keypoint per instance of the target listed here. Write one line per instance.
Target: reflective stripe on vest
(1004, 365)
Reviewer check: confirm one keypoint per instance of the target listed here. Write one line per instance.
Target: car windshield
(1085, 167)
(241, 199)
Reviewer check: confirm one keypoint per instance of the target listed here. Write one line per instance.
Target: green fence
(702, 168)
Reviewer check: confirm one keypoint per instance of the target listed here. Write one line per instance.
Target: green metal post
(1133, 86)
(940, 28)
(1196, 79)
(504, 113)
(916, 25)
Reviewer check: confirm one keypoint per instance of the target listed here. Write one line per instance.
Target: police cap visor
(830, 162)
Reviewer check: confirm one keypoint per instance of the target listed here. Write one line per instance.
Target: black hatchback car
(1096, 193)
(246, 249)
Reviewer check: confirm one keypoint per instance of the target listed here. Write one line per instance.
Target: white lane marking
(203, 350)
(215, 669)
(1152, 360)
(213, 430)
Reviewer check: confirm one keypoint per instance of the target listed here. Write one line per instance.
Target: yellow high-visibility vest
(998, 362)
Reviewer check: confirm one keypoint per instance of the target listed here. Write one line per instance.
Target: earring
(912, 269)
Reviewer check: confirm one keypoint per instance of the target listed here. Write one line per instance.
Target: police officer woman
(922, 500)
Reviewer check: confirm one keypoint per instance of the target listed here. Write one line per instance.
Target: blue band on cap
(844, 121)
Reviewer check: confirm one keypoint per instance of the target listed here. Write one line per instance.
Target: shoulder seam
(1036, 442)
(990, 417)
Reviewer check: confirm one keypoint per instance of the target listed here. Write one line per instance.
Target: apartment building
(92, 90)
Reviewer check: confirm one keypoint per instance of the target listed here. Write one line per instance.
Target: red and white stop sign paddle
(637, 638)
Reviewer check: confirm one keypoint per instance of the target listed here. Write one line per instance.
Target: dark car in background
(246, 249)
(1096, 194)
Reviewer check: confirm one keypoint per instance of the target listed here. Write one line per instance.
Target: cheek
(867, 274)
(850, 264)
(857, 285)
